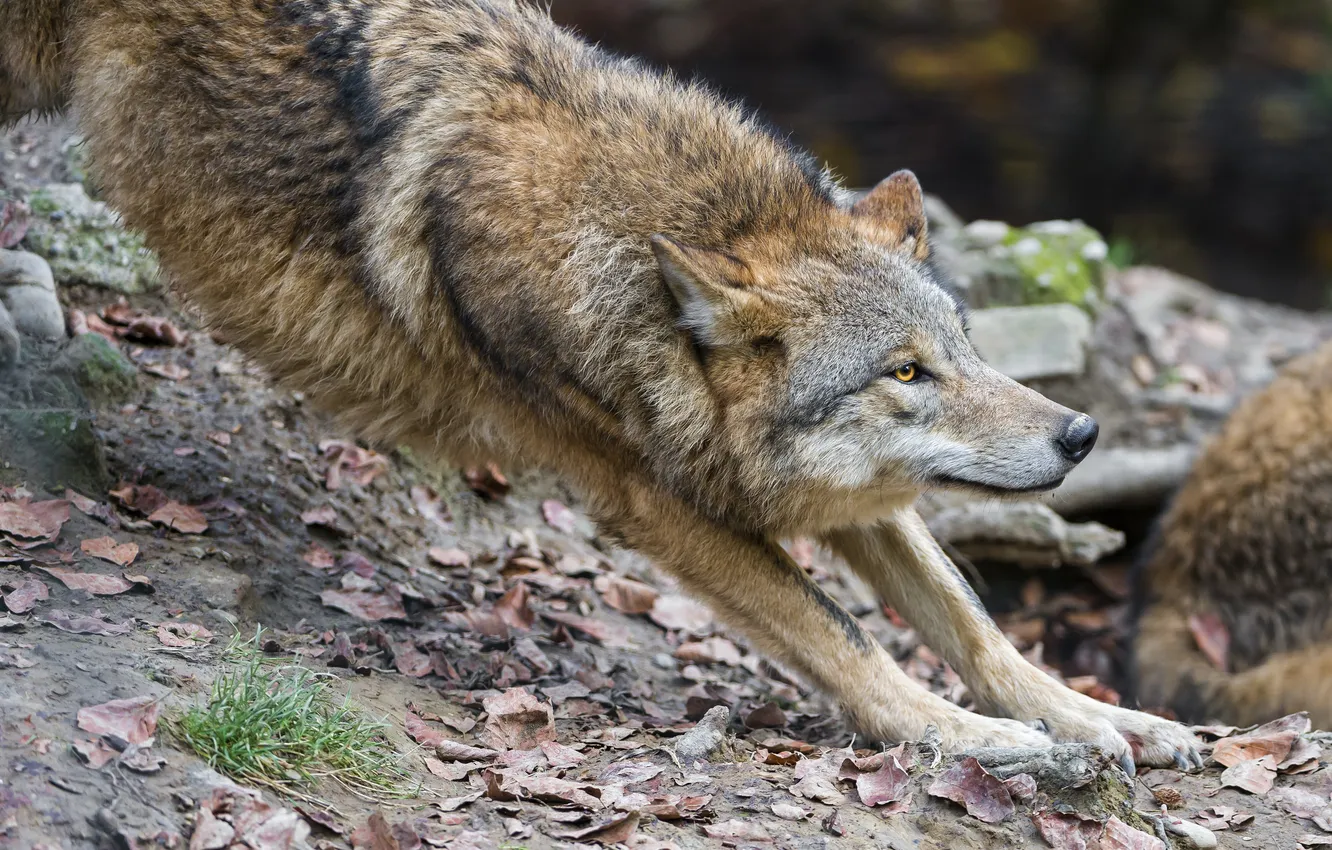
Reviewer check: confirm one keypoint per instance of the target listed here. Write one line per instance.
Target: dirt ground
(428, 593)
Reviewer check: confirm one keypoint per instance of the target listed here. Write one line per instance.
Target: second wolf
(459, 226)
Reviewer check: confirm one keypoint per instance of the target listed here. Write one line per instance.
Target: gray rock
(9, 340)
(1026, 533)
(1040, 341)
(99, 369)
(27, 291)
(84, 241)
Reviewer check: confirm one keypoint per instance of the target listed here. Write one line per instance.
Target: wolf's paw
(967, 731)
(1133, 737)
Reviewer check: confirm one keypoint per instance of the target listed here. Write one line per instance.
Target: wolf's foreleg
(752, 584)
(902, 562)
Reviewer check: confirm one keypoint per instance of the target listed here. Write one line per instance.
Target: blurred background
(1195, 134)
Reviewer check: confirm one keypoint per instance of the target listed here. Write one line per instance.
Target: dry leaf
(170, 371)
(612, 635)
(1255, 775)
(561, 756)
(788, 811)
(1068, 831)
(183, 634)
(513, 610)
(738, 830)
(680, 613)
(319, 557)
(558, 516)
(616, 830)
(816, 779)
(769, 716)
(626, 595)
(346, 459)
(364, 604)
(889, 784)
(409, 660)
(94, 753)
(97, 584)
(451, 558)
(141, 498)
(1120, 836)
(107, 549)
(713, 650)
(517, 721)
(970, 785)
(1276, 739)
(81, 625)
(131, 720)
(487, 482)
(182, 518)
(25, 595)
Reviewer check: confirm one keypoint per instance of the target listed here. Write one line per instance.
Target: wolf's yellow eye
(906, 374)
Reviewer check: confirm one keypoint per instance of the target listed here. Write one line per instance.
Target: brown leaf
(26, 594)
(713, 650)
(487, 482)
(1120, 836)
(983, 795)
(615, 830)
(738, 830)
(1255, 775)
(409, 660)
(107, 549)
(182, 518)
(612, 635)
(561, 756)
(626, 595)
(319, 557)
(1212, 637)
(143, 499)
(17, 520)
(1022, 787)
(97, 584)
(889, 784)
(517, 720)
(94, 752)
(1304, 757)
(1276, 739)
(513, 610)
(170, 371)
(454, 751)
(153, 330)
(1067, 831)
(15, 217)
(80, 625)
(769, 716)
(451, 558)
(350, 460)
(323, 515)
(816, 779)
(132, 720)
(558, 516)
(526, 649)
(183, 634)
(787, 811)
(680, 613)
(364, 604)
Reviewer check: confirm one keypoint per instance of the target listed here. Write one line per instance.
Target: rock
(1049, 262)
(9, 340)
(99, 369)
(1190, 834)
(1026, 533)
(53, 448)
(1025, 343)
(27, 290)
(85, 243)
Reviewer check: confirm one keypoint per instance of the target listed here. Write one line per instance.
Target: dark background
(1193, 133)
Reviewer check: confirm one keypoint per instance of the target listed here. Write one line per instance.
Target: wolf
(1244, 553)
(465, 229)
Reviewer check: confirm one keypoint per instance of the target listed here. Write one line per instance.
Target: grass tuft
(281, 725)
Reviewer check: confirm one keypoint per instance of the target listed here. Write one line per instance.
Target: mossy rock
(1050, 262)
(84, 242)
(99, 369)
(52, 449)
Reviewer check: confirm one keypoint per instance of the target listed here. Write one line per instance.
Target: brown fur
(1248, 540)
(461, 227)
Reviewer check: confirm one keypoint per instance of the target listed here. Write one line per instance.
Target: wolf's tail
(1171, 672)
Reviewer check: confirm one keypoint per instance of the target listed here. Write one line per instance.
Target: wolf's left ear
(897, 209)
(713, 290)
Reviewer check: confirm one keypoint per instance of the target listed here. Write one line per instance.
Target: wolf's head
(841, 364)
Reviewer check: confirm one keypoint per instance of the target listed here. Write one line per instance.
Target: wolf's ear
(897, 209)
(713, 290)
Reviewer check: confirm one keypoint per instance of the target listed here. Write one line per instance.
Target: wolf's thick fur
(461, 227)
(1248, 542)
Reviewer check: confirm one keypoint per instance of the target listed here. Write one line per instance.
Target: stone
(27, 291)
(9, 340)
(85, 243)
(98, 368)
(1027, 343)
(1049, 262)
(53, 448)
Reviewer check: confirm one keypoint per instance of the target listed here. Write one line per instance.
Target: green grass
(283, 726)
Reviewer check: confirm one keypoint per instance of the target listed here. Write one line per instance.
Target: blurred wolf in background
(461, 227)
(1243, 566)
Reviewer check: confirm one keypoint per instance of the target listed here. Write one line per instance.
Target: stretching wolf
(463, 228)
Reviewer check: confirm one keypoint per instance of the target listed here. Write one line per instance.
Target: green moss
(85, 243)
(99, 369)
(1058, 262)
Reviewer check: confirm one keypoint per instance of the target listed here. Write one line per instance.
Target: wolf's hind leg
(755, 586)
(900, 560)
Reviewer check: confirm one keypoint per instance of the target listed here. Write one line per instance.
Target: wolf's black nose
(1079, 436)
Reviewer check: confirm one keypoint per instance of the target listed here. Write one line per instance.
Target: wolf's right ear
(896, 207)
(713, 290)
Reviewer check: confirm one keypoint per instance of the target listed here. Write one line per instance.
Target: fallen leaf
(143, 760)
(984, 796)
(319, 557)
(513, 610)
(738, 830)
(1120, 836)
(768, 716)
(80, 625)
(25, 595)
(183, 635)
(561, 756)
(132, 720)
(1276, 739)
(1022, 787)
(558, 516)
(558, 694)
(788, 811)
(15, 216)
(451, 558)
(889, 784)
(816, 779)
(153, 330)
(409, 660)
(1212, 637)
(630, 772)
(1304, 757)
(517, 720)
(18, 520)
(626, 595)
(713, 650)
(97, 584)
(141, 498)
(348, 459)
(107, 549)
(680, 613)
(452, 804)
(94, 753)
(1067, 831)
(612, 635)
(364, 604)
(501, 785)
(615, 830)
(324, 516)
(1255, 775)
(182, 518)
(170, 371)
(487, 482)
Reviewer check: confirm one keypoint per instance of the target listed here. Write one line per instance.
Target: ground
(458, 607)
